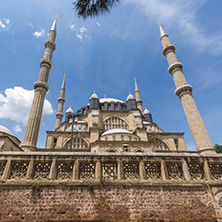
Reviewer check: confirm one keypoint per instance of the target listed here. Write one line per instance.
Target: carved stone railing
(16, 167)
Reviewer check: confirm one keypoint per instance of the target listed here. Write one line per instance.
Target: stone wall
(66, 186)
(106, 203)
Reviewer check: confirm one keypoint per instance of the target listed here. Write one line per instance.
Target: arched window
(159, 145)
(114, 123)
(77, 144)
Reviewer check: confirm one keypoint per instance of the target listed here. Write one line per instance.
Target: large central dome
(110, 100)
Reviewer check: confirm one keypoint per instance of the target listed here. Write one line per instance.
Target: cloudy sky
(106, 53)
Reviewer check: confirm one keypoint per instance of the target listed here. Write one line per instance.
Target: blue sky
(106, 53)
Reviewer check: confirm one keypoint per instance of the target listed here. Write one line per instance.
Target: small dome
(69, 110)
(93, 96)
(112, 131)
(5, 130)
(130, 97)
(146, 111)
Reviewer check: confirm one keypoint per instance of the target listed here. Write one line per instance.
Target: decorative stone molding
(175, 66)
(60, 99)
(169, 48)
(41, 84)
(49, 44)
(46, 62)
(180, 91)
(59, 114)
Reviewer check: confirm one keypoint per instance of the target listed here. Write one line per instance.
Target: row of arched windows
(77, 144)
(114, 123)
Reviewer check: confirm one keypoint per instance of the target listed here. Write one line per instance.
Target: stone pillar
(184, 92)
(30, 171)
(164, 173)
(76, 170)
(7, 171)
(53, 170)
(41, 87)
(186, 172)
(61, 100)
(120, 171)
(142, 171)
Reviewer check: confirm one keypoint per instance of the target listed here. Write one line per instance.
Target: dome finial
(146, 111)
(130, 97)
(69, 110)
(93, 96)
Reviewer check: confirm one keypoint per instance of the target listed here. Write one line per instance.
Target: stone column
(41, 87)
(184, 92)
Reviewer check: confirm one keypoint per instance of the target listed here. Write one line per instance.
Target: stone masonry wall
(106, 203)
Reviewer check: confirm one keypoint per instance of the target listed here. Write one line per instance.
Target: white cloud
(5, 24)
(7, 21)
(2, 25)
(98, 23)
(83, 29)
(182, 16)
(17, 128)
(38, 34)
(81, 35)
(72, 26)
(15, 104)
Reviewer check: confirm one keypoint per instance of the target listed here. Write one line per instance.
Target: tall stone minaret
(41, 87)
(139, 101)
(61, 101)
(184, 92)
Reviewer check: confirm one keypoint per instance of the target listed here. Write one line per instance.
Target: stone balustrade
(20, 167)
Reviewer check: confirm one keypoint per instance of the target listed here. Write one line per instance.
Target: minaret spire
(53, 28)
(61, 100)
(184, 92)
(139, 101)
(162, 33)
(41, 87)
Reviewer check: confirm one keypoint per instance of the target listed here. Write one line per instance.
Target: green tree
(93, 8)
(218, 148)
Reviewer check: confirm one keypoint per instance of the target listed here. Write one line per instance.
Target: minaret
(184, 92)
(41, 87)
(61, 101)
(139, 101)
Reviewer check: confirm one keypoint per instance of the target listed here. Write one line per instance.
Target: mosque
(109, 160)
(108, 123)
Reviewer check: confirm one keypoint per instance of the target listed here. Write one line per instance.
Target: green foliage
(36, 186)
(93, 8)
(218, 148)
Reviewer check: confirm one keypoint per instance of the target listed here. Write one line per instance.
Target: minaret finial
(53, 28)
(63, 83)
(136, 86)
(162, 33)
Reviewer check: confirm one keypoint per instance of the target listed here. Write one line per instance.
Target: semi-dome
(110, 100)
(5, 130)
(130, 97)
(93, 96)
(112, 131)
